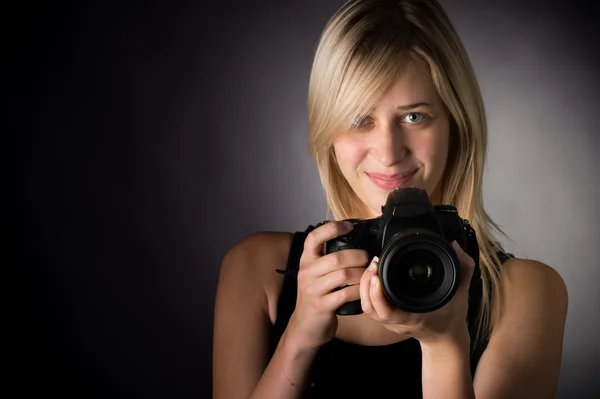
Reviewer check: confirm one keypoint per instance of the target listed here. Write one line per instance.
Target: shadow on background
(148, 139)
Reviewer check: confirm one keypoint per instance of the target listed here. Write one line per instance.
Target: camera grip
(349, 309)
(358, 238)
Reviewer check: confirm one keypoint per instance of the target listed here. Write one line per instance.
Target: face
(402, 142)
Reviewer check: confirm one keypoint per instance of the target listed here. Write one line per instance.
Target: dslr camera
(418, 268)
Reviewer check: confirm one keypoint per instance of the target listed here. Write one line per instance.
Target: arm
(241, 367)
(523, 357)
(446, 369)
(524, 353)
(241, 336)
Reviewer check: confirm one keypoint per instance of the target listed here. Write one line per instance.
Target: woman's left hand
(448, 322)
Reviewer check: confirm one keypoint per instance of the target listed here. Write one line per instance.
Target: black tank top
(346, 370)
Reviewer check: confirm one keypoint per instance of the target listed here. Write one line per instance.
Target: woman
(393, 101)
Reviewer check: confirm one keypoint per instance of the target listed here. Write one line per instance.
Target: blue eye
(414, 117)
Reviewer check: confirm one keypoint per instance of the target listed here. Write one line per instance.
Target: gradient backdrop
(149, 139)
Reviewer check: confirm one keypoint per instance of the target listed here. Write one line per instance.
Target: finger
(381, 305)
(345, 258)
(365, 284)
(313, 244)
(467, 266)
(337, 279)
(340, 297)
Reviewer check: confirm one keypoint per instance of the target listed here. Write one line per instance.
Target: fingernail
(373, 266)
(373, 281)
(348, 225)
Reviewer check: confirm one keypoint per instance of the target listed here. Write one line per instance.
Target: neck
(436, 195)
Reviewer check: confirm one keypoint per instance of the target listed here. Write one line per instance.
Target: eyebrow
(412, 106)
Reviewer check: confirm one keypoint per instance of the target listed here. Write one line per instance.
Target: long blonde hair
(362, 50)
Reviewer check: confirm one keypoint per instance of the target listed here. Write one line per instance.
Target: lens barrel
(419, 270)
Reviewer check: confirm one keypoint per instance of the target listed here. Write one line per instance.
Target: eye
(359, 122)
(414, 117)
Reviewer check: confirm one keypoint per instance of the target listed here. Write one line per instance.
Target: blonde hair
(362, 50)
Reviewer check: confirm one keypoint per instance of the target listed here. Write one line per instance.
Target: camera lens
(419, 272)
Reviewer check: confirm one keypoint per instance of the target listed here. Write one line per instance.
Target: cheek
(432, 150)
(349, 154)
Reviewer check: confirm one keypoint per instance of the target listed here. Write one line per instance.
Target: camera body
(418, 268)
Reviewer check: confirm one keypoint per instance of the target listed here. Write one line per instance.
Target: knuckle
(344, 295)
(301, 275)
(343, 275)
(301, 263)
(338, 258)
(310, 240)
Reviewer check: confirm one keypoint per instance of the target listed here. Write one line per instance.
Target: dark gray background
(148, 139)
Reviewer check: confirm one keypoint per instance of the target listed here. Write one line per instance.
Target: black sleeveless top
(346, 370)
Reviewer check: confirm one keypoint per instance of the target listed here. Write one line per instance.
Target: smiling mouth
(392, 182)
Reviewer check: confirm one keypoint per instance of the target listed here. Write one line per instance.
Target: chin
(375, 205)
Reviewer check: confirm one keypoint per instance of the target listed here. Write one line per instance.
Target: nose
(387, 144)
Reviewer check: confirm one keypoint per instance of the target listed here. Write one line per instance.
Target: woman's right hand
(314, 322)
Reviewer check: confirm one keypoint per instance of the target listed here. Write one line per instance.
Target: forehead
(413, 84)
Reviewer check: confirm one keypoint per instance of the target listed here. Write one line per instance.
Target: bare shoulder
(532, 279)
(529, 285)
(248, 267)
(243, 308)
(255, 248)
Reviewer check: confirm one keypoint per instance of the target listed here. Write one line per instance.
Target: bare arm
(241, 367)
(447, 370)
(524, 353)
(241, 364)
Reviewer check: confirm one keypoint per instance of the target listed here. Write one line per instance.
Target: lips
(390, 182)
